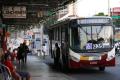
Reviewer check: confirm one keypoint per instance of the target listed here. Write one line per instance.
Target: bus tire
(102, 68)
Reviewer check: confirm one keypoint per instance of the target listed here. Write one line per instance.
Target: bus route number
(95, 46)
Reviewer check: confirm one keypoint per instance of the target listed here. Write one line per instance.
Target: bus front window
(91, 37)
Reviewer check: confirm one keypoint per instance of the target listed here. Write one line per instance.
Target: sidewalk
(40, 70)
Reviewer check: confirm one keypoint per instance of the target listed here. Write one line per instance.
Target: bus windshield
(91, 37)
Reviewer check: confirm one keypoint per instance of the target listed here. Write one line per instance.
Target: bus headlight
(74, 56)
(111, 54)
(75, 59)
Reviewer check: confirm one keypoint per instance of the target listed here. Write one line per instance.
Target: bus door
(64, 38)
(64, 45)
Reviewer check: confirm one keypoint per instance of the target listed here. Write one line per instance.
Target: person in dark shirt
(57, 54)
(20, 53)
(26, 51)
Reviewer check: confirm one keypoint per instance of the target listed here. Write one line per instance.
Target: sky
(86, 8)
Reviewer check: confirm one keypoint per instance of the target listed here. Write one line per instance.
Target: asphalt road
(110, 73)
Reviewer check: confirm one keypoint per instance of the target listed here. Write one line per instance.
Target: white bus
(84, 42)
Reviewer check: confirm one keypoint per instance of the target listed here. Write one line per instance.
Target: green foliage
(100, 14)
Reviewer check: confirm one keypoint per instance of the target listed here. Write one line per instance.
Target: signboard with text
(14, 11)
(115, 11)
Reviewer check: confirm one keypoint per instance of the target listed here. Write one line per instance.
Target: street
(110, 73)
(42, 69)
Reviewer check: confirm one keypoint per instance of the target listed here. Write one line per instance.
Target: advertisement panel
(14, 11)
(116, 9)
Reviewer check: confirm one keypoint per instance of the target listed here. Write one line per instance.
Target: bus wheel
(102, 68)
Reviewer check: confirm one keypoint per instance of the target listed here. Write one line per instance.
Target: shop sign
(14, 11)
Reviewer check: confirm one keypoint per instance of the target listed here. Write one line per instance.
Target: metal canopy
(33, 7)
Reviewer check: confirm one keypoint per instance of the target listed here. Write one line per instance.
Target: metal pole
(108, 7)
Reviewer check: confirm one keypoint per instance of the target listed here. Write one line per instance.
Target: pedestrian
(20, 53)
(57, 54)
(14, 55)
(26, 51)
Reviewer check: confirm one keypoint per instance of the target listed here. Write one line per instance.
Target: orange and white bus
(84, 42)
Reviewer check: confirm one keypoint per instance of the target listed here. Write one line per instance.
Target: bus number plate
(94, 62)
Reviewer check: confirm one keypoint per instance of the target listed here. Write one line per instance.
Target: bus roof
(99, 17)
(71, 19)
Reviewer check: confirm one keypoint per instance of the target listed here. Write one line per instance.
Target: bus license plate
(94, 62)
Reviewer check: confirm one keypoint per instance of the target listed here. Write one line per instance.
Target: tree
(100, 14)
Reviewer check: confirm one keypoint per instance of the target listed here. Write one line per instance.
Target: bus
(83, 42)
